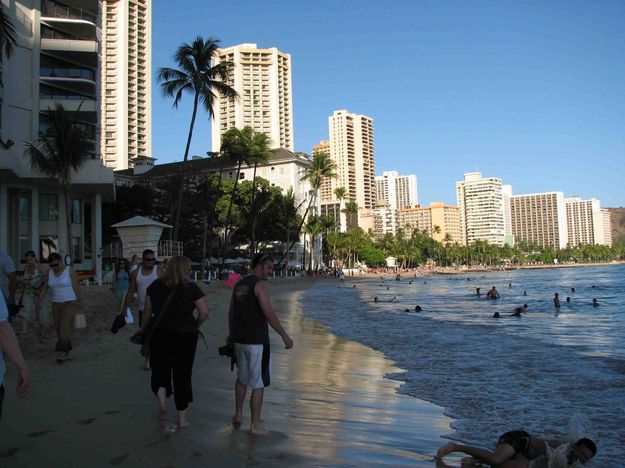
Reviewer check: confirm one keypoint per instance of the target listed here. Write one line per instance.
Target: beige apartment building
(540, 219)
(262, 78)
(126, 82)
(352, 150)
(587, 222)
(439, 221)
(56, 60)
(480, 200)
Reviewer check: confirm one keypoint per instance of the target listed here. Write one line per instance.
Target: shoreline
(329, 403)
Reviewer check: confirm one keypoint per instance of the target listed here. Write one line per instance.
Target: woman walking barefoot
(62, 282)
(174, 338)
(30, 283)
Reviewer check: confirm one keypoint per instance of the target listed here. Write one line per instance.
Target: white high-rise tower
(481, 208)
(262, 78)
(126, 81)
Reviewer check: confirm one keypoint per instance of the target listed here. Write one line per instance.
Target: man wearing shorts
(516, 448)
(249, 316)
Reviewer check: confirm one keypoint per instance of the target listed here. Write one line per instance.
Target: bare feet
(445, 449)
(162, 415)
(258, 432)
(236, 422)
(183, 425)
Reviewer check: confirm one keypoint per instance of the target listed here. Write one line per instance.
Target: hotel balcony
(65, 27)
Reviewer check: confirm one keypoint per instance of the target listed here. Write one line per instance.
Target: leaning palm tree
(197, 76)
(260, 154)
(321, 167)
(61, 148)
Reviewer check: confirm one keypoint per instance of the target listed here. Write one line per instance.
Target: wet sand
(329, 403)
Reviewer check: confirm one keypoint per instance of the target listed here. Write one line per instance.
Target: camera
(226, 350)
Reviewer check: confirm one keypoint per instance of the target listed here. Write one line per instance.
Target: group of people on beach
(166, 301)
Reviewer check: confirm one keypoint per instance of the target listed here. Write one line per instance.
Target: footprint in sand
(86, 422)
(118, 460)
(113, 411)
(40, 433)
(9, 452)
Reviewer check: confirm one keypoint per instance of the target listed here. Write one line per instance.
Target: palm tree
(351, 210)
(8, 37)
(243, 146)
(260, 154)
(61, 148)
(321, 167)
(313, 228)
(339, 193)
(196, 75)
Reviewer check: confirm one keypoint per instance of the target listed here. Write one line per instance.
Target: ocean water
(553, 372)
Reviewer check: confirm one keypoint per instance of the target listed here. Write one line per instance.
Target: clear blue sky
(531, 92)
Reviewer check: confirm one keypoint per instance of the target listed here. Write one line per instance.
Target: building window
(76, 250)
(48, 207)
(76, 210)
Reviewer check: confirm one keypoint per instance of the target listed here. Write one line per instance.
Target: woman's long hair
(178, 271)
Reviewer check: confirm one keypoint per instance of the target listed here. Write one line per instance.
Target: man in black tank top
(249, 318)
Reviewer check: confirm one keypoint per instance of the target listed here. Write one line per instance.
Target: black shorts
(520, 441)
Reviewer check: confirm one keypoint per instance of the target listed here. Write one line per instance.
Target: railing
(46, 92)
(170, 248)
(50, 33)
(59, 10)
(55, 72)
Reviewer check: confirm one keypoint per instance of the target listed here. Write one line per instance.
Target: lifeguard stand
(140, 233)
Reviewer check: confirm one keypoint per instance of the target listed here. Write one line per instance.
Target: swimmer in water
(496, 315)
(477, 291)
(520, 309)
(525, 293)
(594, 302)
(568, 299)
(375, 299)
(417, 308)
(492, 294)
(556, 301)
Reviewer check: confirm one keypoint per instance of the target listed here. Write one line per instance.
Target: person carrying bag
(171, 336)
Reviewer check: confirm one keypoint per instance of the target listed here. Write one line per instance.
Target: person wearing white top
(140, 279)
(62, 282)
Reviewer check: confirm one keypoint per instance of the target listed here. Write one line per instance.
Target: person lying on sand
(515, 449)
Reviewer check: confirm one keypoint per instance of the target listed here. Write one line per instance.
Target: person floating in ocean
(594, 302)
(496, 315)
(417, 308)
(492, 294)
(509, 285)
(556, 301)
(398, 277)
(516, 448)
(525, 293)
(568, 299)
(572, 289)
(477, 291)
(375, 299)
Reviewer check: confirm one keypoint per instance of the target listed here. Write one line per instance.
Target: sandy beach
(329, 403)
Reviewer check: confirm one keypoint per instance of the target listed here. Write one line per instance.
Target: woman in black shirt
(173, 342)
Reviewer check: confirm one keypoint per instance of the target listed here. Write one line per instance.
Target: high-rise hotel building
(126, 82)
(262, 78)
(399, 191)
(351, 149)
(56, 61)
(480, 201)
(540, 219)
(439, 221)
(587, 222)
